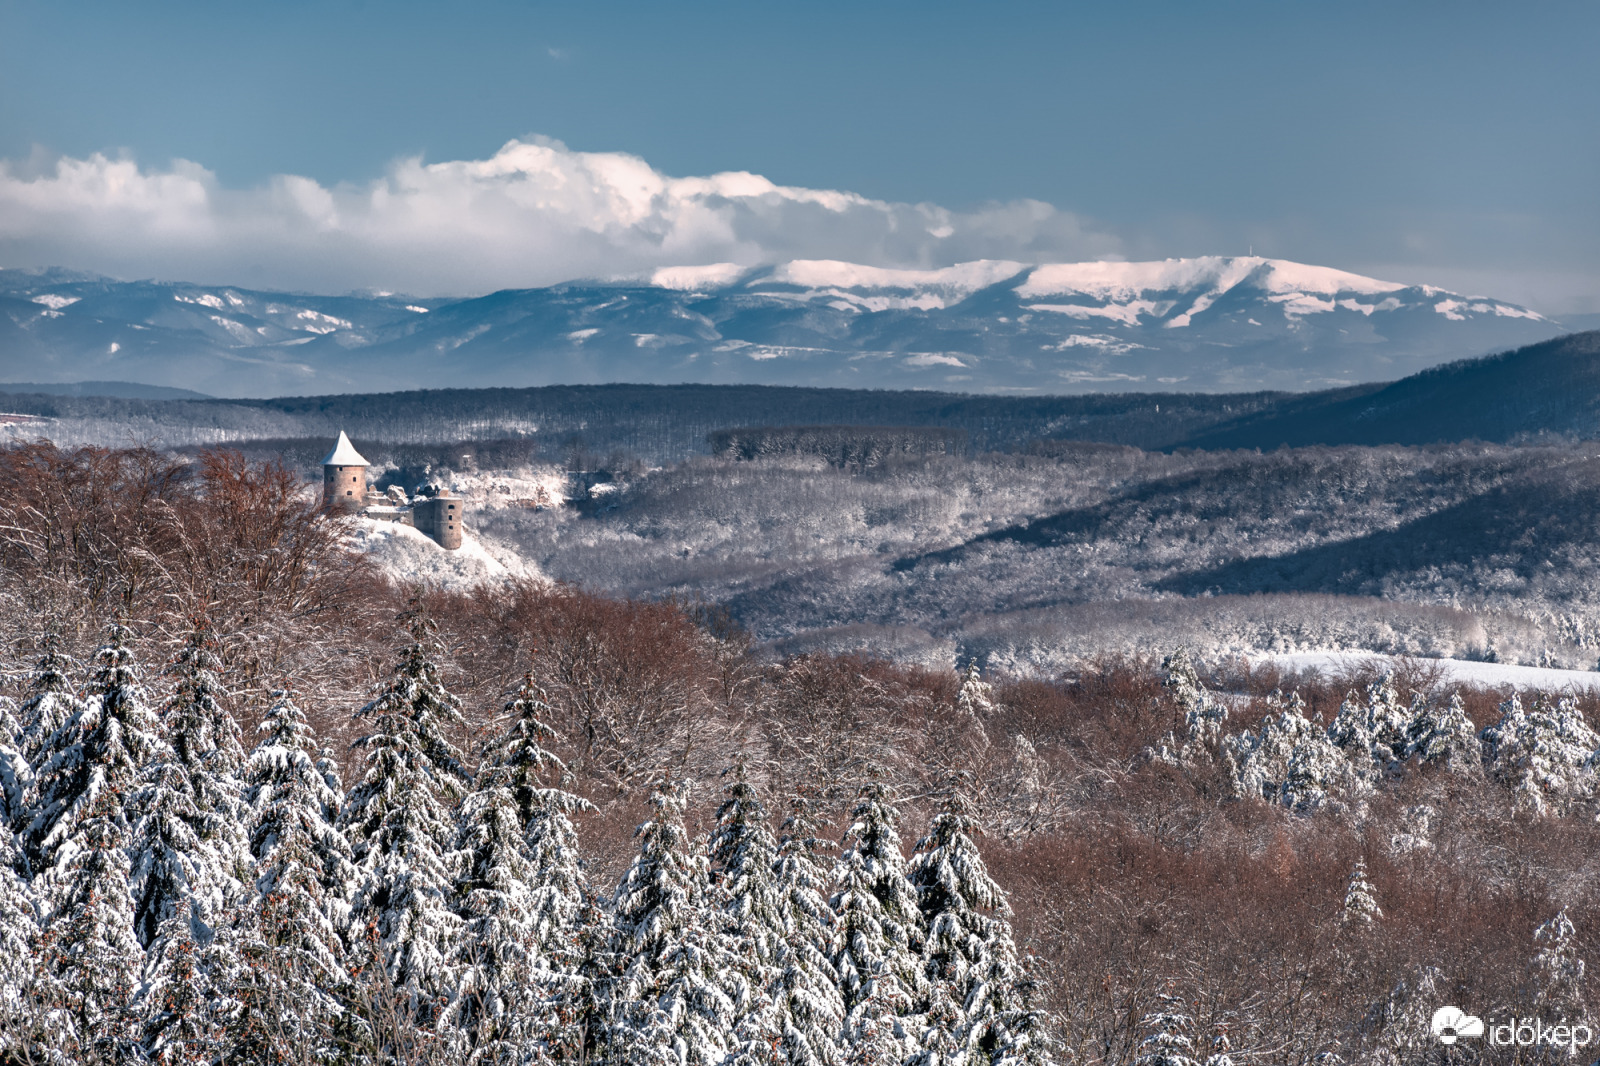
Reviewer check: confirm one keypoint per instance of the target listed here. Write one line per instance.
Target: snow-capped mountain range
(1180, 325)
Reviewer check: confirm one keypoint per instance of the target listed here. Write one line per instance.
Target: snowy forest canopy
(581, 828)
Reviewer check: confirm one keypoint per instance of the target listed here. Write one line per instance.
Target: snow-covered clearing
(1460, 671)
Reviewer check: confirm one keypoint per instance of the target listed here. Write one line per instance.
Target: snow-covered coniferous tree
(288, 934)
(519, 892)
(52, 700)
(1167, 1040)
(1557, 968)
(1360, 899)
(671, 1004)
(809, 1007)
(743, 857)
(1203, 716)
(98, 752)
(1544, 754)
(975, 1017)
(397, 819)
(1447, 738)
(880, 933)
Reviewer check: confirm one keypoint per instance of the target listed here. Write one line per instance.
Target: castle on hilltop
(345, 491)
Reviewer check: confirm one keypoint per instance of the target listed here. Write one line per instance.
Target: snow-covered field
(1460, 671)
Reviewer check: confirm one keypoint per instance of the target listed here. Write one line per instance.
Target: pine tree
(810, 1008)
(1203, 716)
(519, 893)
(51, 701)
(16, 782)
(1545, 755)
(1360, 899)
(205, 739)
(880, 932)
(91, 949)
(743, 856)
(1320, 774)
(23, 980)
(975, 699)
(1557, 969)
(400, 829)
(670, 1003)
(285, 941)
(1261, 763)
(178, 1027)
(1448, 739)
(1167, 1041)
(97, 754)
(969, 956)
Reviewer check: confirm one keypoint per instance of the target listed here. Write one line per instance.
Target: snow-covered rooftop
(344, 454)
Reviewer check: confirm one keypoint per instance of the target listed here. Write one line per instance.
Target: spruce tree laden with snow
(810, 1008)
(171, 872)
(1360, 900)
(94, 957)
(16, 782)
(24, 983)
(1260, 762)
(670, 1004)
(205, 737)
(1319, 774)
(52, 700)
(178, 1027)
(1447, 738)
(398, 821)
(95, 755)
(286, 940)
(1203, 716)
(969, 956)
(743, 856)
(880, 938)
(1545, 755)
(1167, 1040)
(975, 698)
(1557, 969)
(519, 892)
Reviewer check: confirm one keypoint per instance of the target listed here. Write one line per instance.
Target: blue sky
(1452, 143)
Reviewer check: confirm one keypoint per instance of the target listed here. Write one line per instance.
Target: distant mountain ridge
(1209, 324)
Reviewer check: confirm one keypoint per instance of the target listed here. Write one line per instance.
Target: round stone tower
(344, 478)
(440, 518)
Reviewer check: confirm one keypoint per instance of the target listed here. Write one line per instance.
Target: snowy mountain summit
(1205, 324)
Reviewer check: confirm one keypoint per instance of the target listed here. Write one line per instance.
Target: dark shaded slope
(1551, 387)
(1524, 531)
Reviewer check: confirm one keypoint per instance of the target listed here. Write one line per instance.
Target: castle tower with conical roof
(344, 478)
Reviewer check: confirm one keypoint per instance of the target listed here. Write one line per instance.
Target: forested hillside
(1544, 390)
(263, 805)
(1039, 559)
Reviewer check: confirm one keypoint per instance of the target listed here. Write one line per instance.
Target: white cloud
(534, 213)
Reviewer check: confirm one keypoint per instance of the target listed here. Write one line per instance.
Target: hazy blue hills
(1547, 389)
(1211, 324)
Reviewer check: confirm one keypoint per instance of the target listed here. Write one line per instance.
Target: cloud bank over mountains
(535, 213)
